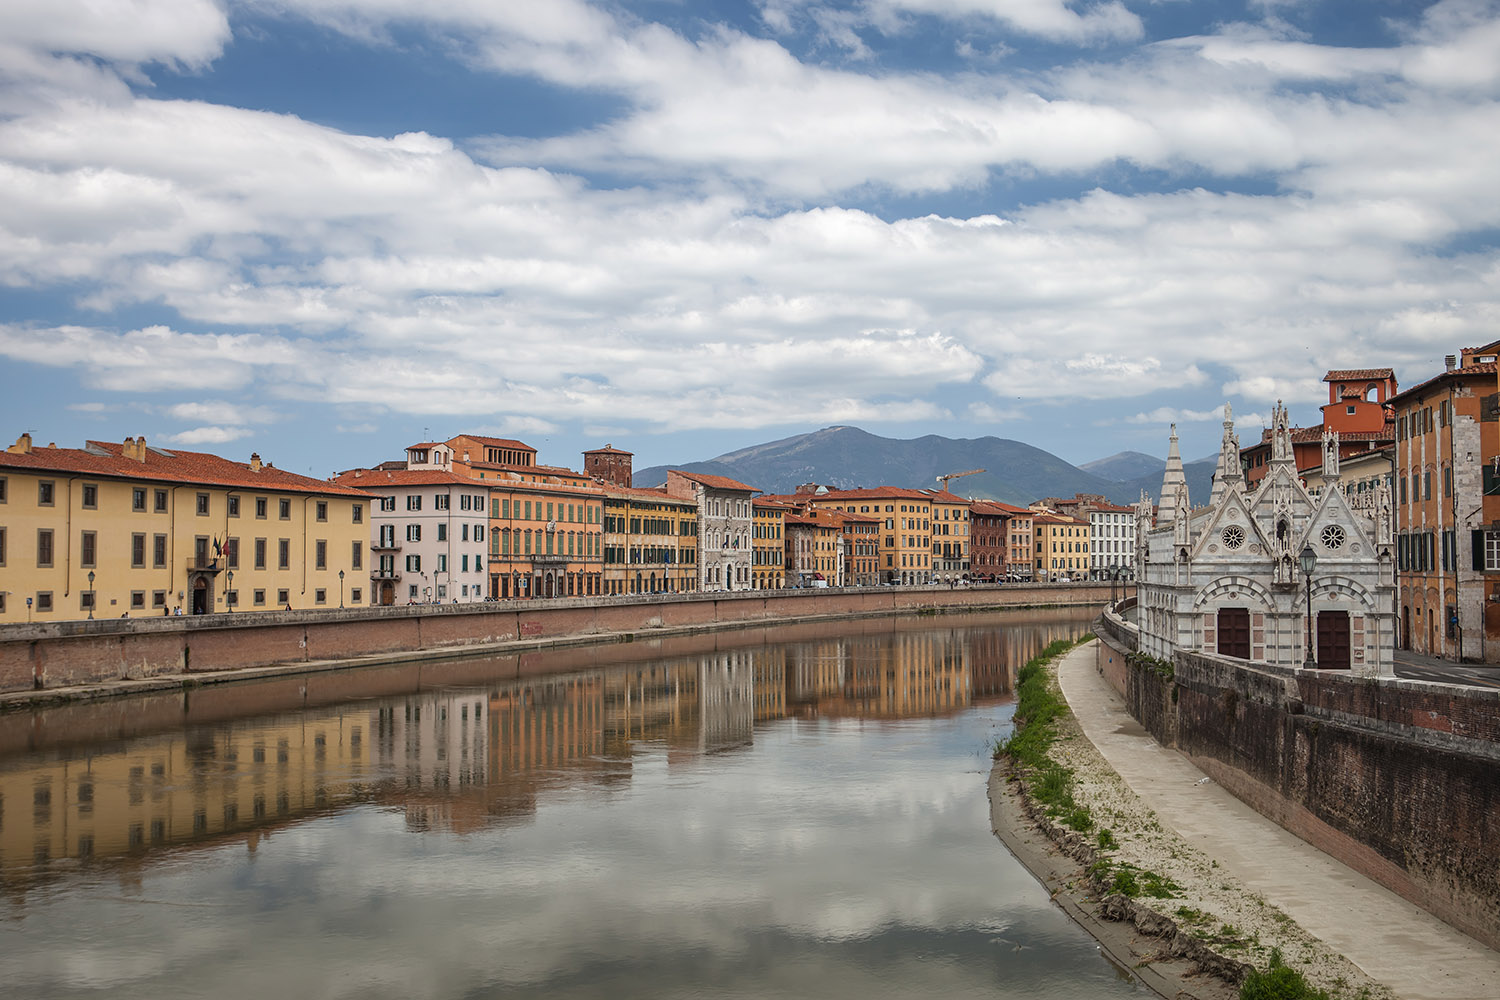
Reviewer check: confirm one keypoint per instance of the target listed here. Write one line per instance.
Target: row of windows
(42, 602)
(523, 510)
(159, 501)
(158, 547)
(526, 542)
(414, 564)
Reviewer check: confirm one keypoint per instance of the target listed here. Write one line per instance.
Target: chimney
(1450, 361)
(255, 461)
(359, 473)
(22, 445)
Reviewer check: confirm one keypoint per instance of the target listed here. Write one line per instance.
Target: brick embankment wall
(68, 654)
(1395, 778)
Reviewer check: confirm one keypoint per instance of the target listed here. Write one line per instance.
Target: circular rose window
(1233, 536)
(1333, 536)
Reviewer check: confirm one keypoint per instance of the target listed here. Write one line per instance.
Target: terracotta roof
(495, 442)
(655, 493)
(426, 444)
(106, 459)
(608, 449)
(872, 493)
(946, 496)
(1487, 368)
(999, 507)
(374, 479)
(715, 482)
(1359, 374)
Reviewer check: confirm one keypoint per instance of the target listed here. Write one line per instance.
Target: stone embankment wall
(1398, 779)
(67, 654)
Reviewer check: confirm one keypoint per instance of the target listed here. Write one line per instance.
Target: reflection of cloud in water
(829, 858)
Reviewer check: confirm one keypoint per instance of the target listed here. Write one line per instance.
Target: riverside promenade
(1390, 939)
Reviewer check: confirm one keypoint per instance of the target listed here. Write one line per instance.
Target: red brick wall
(92, 652)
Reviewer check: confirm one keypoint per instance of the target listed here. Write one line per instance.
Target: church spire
(1229, 475)
(1170, 481)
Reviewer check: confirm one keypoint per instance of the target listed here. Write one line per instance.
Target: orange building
(1447, 502)
(1062, 549)
(905, 519)
(1358, 409)
(769, 545)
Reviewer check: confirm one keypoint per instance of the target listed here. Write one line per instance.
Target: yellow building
(950, 535)
(1062, 545)
(650, 542)
(111, 530)
(768, 545)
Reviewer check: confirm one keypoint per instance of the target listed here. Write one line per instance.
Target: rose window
(1333, 536)
(1233, 536)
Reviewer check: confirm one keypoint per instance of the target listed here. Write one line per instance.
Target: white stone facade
(1226, 578)
(429, 534)
(726, 528)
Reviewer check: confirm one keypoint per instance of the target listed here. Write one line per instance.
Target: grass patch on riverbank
(1038, 706)
(1279, 982)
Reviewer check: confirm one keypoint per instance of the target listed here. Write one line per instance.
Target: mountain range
(1014, 472)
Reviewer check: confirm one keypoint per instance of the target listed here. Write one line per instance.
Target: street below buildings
(1416, 667)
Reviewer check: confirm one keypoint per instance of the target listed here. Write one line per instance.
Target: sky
(323, 230)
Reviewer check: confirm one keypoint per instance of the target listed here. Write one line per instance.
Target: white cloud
(208, 435)
(222, 412)
(1172, 415)
(185, 32)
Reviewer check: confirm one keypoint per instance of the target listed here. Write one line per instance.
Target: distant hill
(847, 458)
(1125, 465)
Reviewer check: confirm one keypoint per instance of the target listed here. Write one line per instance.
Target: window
(284, 553)
(260, 508)
(320, 596)
(465, 534)
(259, 597)
(442, 563)
(414, 564)
(232, 553)
(161, 501)
(357, 556)
(284, 508)
(440, 502)
(159, 551)
(44, 600)
(320, 550)
(322, 510)
(158, 598)
(137, 600)
(2, 489)
(232, 504)
(138, 551)
(413, 532)
(90, 496)
(43, 548)
(2, 546)
(86, 600)
(356, 595)
(359, 513)
(138, 499)
(442, 532)
(414, 502)
(46, 493)
(260, 553)
(202, 505)
(283, 599)
(387, 503)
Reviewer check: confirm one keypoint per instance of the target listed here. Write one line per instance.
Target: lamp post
(341, 588)
(229, 591)
(1309, 561)
(92, 598)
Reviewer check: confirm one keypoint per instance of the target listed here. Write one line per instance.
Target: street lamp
(229, 591)
(1114, 583)
(1308, 560)
(92, 598)
(341, 588)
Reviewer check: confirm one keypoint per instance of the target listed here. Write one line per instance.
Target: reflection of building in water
(882, 676)
(430, 747)
(726, 692)
(187, 787)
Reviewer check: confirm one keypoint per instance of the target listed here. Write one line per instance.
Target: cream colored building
(113, 530)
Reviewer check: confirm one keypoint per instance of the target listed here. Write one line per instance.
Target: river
(791, 812)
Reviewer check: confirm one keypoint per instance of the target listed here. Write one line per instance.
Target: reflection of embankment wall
(1395, 778)
(64, 654)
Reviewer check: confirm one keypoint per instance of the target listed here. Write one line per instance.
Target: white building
(1111, 541)
(726, 527)
(1229, 578)
(428, 535)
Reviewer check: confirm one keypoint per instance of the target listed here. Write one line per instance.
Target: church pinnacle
(1171, 480)
(1229, 474)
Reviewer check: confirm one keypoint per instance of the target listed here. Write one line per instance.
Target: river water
(793, 812)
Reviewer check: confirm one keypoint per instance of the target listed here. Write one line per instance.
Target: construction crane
(945, 480)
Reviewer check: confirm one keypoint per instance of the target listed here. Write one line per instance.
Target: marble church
(1240, 576)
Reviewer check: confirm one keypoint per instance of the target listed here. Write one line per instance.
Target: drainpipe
(68, 531)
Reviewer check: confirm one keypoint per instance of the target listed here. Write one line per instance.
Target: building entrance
(1333, 640)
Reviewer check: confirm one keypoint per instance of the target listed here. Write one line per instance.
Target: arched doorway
(200, 596)
(387, 593)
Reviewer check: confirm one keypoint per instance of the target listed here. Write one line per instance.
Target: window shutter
(1477, 541)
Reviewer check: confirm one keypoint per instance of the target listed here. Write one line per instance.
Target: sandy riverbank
(1195, 943)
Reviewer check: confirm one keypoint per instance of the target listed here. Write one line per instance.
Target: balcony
(385, 574)
(394, 546)
(207, 564)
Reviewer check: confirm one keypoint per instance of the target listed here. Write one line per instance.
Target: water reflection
(652, 824)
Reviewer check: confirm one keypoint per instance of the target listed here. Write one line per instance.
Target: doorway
(1234, 632)
(1333, 640)
(200, 596)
